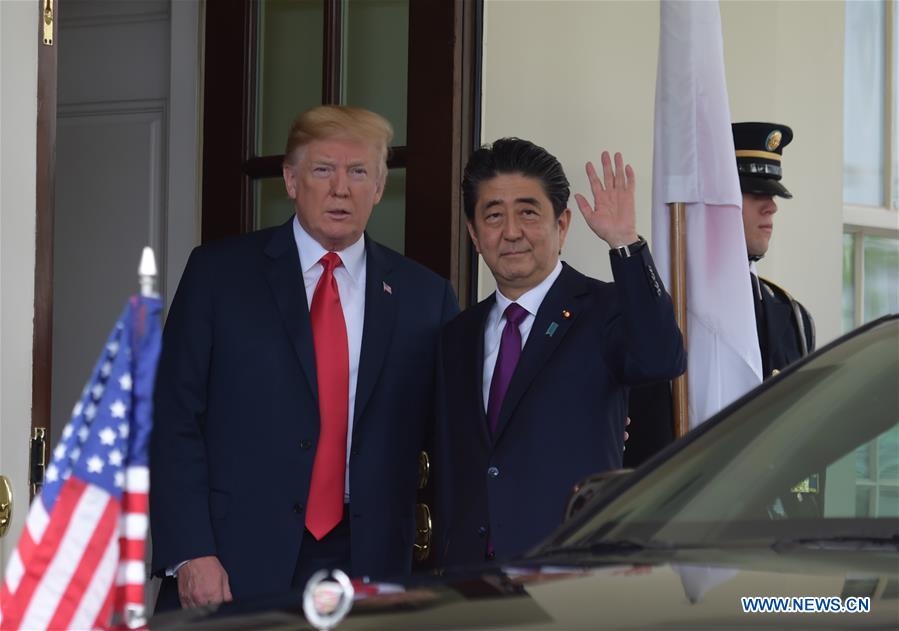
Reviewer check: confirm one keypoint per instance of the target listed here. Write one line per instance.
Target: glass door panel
(375, 59)
(288, 68)
(271, 205)
(387, 225)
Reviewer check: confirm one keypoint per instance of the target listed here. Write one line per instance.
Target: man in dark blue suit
(295, 386)
(534, 379)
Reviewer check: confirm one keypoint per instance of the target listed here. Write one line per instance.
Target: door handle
(5, 504)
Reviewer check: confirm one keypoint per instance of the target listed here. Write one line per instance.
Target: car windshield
(814, 455)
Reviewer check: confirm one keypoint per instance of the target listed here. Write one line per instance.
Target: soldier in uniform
(785, 328)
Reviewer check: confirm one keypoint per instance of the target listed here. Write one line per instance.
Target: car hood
(695, 589)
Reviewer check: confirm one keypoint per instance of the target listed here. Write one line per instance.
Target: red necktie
(326, 490)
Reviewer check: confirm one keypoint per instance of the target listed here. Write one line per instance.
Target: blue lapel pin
(551, 328)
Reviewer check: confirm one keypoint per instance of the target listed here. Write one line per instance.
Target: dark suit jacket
(785, 325)
(236, 412)
(651, 410)
(563, 416)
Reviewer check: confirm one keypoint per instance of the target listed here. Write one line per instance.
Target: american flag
(79, 563)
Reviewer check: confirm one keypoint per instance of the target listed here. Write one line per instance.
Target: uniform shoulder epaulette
(775, 287)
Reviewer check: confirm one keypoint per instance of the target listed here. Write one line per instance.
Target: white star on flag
(77, 409)
(107, 436)
(94, 465)
(52, 473)
(119, 479)
(67, 432)
(83, 433)
(123, 430)
(90, 411)
(106, 369)
(75, 455)
(97, 391)
(125, 382)
(113, 348)
(60, 452)
(117, 409)
(115, 458)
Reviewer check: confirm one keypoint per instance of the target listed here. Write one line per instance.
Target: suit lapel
(377, 331)
(473, 362)
(550, 326)
(285, 279)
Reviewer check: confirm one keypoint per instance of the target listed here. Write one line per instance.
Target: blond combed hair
(342, 122)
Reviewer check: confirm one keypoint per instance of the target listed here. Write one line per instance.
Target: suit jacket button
(298, 508)
(493, 472)
(482, 531)
(305, 444)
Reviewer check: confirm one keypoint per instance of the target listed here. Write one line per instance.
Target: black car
(780, 512)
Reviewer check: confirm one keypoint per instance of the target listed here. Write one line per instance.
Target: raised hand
(613, 215)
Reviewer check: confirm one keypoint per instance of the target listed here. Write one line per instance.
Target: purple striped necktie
(506, 360)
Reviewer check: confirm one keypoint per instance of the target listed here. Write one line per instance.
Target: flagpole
(679, 388)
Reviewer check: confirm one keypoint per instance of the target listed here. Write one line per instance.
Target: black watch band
(627, 251)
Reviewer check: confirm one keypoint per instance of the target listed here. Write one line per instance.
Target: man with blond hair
(295, 385)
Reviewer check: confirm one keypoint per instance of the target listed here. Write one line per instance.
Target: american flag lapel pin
(387, 288)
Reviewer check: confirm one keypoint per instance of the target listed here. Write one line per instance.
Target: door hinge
(38, 458)
(47, 20)
(5, 504)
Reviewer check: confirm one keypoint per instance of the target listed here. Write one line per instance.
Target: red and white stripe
(131, 572)
(75, 567)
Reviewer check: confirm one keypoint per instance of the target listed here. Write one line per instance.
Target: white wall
(802, 87)
(578, 77)
(18, 121)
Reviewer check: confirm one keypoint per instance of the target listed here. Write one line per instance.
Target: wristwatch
(627, 251)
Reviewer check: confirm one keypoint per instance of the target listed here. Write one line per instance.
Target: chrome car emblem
(327, 599)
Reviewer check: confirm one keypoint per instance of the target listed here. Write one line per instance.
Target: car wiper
(839, 542)
(606, 547)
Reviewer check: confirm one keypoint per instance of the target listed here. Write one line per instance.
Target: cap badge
(772, 142)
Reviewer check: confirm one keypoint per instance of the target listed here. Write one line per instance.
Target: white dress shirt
(350, 279)
(496, 322)
(756, 287)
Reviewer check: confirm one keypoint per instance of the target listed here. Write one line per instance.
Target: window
(870, 216)
(870, 162)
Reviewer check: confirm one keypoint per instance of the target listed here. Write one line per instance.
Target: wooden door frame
(442, 128)
(42, 342)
